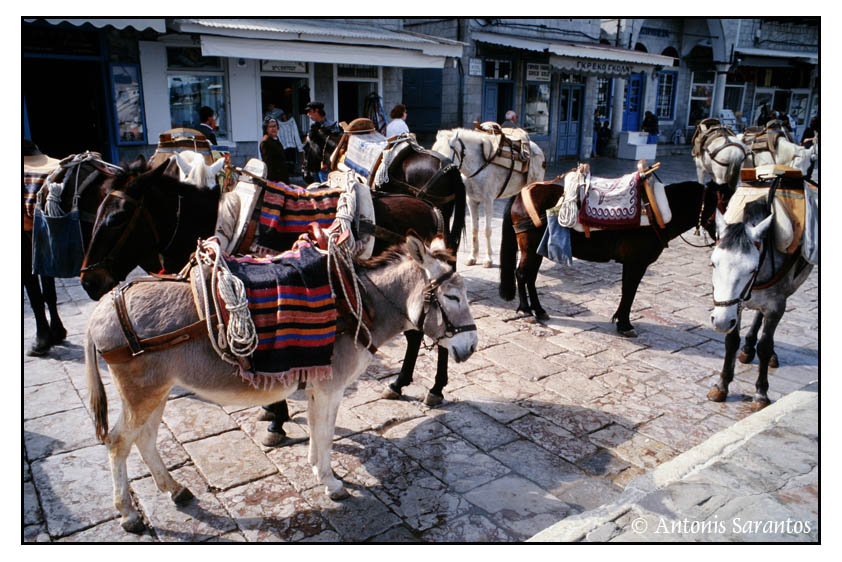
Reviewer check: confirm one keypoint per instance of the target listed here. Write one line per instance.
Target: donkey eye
(451, 297)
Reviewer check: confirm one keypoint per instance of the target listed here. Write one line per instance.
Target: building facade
(118, 83)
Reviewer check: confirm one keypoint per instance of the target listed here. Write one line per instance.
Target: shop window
(497, 69)
(195, 81)
(665, 101)
(734, 99)
(128, 103)
(603, 97)
(701, 94)
(536, 118)
(356, 71)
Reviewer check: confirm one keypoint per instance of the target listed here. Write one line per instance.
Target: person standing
(315, 110)
(272, 152)
(650, 125)
(207, 123)
(397, 125)
(511, 119)
(291, 140)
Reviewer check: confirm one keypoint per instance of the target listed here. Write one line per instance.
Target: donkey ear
(417, 251)
(183, 165)
(756, 233)
(216, 166)
(720, 224)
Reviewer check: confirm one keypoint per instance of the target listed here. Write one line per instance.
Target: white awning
(158, 24)
(322, 41)
(235, 47)
(812, 58)
(582, 58)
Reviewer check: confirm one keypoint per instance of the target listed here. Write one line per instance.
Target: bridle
(745, 294)
(431, 300)
(139, 210)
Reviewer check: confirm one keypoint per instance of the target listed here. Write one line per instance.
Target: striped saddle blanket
(293, 311)
(364, 152)
(32, 182)
(288, 209)
(612, 202)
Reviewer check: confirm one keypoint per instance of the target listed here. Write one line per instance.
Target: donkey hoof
(630, 333)
(432, 399)
(746, 356)
(182, 497)
(272, 439)
(541, 315)
(339, 495)
(471, 261)
(266, 415)
(389, 394)
(759, 404)
(133, 525)
(40, 348)
(487, 263)
(57, 335)
(773, 361)
(716, 395)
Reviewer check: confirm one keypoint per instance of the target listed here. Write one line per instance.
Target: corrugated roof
(158, 24)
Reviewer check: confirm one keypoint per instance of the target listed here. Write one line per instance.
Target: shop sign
(475, 67)
(537, 72)
(603, 67)
(283, 66)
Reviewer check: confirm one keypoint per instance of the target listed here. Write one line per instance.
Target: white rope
(240, 337)
(568, 212)
(342, 253)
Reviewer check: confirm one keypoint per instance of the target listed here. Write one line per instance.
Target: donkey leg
(765, 351)
(488, 209)
(322, 406)
(119, 442)
(632, 274)
(473, 209)
(42, 328)
(275, 434)
(57, 331)
(719, 391)
(413, 344)
(747, 353)
(435, 396)
(532, 277)
(147, 446)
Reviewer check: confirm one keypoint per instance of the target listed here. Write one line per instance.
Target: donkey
(718, 153)
(786, 153)
(748, 271)
(412, 287)
(484, 183)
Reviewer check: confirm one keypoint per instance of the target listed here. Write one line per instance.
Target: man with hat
(315, 110)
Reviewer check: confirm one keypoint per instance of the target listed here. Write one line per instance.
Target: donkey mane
(735, 236)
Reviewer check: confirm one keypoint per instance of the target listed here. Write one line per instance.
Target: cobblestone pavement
(543, 422)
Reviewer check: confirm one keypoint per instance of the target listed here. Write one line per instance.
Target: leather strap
(158, 343)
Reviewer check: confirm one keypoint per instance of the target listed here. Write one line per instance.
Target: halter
(745, 294)
(139, 209)
(431, 300)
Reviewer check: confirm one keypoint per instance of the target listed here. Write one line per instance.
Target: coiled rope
(339, 255)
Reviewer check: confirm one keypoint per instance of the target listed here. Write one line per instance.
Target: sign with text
(283, 66)
(475, 68)
(600, 67)
(536, 72)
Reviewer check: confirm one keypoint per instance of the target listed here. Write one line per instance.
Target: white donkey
(786, 153)
(193, 169)
(413, 288)
(484, 182)
(721, 157)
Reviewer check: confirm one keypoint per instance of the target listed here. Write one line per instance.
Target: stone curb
(576, 528)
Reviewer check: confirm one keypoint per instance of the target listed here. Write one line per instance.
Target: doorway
(289, 93)
(498, 98)
(352, 99)
(65, 106)
(569, 120)
(633, 102)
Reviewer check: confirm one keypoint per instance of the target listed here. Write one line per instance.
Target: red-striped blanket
(288, 209)
(32, 182)
(294, 313)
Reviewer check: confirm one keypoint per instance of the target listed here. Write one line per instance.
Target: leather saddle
(508, 145)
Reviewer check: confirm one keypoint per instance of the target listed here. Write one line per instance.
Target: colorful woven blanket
(288, 209)
(612, 202)
(32, 182)
(293, 311)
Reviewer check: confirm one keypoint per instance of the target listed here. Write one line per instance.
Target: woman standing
(397, 125)
(272, 152)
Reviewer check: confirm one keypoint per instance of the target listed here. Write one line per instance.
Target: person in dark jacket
(272, 152)
(207, 123)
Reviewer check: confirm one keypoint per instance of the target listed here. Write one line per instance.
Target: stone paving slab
(545, 422)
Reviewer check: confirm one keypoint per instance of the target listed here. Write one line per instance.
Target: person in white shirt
(398, 123)
(291, 140)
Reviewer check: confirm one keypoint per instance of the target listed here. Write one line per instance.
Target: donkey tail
(508, 254)
(99, 402)
(457, 229)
